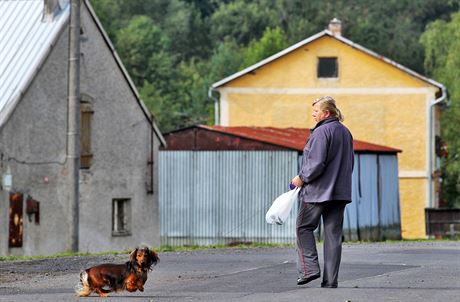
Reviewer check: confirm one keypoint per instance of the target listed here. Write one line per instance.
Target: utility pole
(73, 124)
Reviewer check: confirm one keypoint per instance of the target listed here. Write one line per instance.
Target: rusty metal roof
(292, 138)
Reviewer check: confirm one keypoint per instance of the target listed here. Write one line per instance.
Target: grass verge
(161, 249)
(190, 248)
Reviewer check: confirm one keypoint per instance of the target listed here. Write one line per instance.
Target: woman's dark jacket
(327, 163)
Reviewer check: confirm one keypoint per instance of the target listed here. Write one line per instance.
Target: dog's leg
(102, 292)
(83, 289)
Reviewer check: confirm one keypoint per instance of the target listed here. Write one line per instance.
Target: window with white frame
(121, 217)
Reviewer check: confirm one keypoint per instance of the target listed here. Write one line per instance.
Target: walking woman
(325, 181)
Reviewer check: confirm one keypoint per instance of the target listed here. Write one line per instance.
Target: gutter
(439, 100)
(216, 105)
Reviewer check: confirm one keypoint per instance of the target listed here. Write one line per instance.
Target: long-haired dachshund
(106, 278)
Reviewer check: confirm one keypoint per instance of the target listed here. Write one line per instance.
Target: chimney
(50, 9)
(335, 26)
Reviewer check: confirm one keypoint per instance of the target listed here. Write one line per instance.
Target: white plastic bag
(281, 207)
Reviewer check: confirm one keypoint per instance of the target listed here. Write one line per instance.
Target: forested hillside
(175, 49)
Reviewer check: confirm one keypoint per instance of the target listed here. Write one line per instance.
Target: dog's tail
(82, 288)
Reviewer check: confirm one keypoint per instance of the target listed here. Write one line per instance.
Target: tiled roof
(293, 138)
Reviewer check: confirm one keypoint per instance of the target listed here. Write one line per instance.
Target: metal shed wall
(374, 213)
(211, 197)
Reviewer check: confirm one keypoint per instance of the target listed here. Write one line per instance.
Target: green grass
(239, 245)
(444, 239)
(189, 248)
(63, 254)
(162, 249)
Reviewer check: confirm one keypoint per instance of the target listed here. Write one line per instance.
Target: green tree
(391, 28)
(175, 49)
(196, 106)
(182, 101)
(241, 20)
(226, 60)
(442, 46)
(272, 41)
(188, 31)
(109, 12)
(137, 42)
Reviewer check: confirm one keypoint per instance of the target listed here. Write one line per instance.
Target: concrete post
(73, 127)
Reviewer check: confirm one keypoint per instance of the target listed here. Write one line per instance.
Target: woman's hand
(296, 181)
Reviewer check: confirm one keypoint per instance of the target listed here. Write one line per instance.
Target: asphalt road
(406, 271)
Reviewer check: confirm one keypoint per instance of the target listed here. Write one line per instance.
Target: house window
(121, 217)
(328, 68)
(86, 116)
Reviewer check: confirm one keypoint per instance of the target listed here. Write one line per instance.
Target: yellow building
(383, 102)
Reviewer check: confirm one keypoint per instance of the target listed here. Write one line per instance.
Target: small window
(328, 68)
(121, 217)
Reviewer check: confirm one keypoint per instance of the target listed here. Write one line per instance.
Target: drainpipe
(439, 100)
(216, 105)
(73, 126)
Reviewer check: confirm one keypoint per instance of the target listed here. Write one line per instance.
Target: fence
(443, 222)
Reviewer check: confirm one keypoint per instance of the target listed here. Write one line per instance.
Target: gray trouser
(307, 221)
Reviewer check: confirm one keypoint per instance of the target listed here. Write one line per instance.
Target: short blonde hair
(327, 103)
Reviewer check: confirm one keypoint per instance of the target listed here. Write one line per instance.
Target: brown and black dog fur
(106, 278)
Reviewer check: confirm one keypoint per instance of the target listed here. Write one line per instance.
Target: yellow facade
(382, 104)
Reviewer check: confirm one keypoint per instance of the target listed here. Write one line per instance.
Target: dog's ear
(154, 257)
(132, 256)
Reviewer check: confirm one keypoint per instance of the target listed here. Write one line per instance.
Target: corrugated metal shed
(225, 179)
(220, 197)
(25, 41)
(203, 137)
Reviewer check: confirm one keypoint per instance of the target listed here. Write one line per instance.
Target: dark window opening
(328, 68)
(121, 217)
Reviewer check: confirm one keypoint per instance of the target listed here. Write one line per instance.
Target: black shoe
(325, 285)
(303, 280)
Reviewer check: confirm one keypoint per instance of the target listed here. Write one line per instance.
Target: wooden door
(16, 226)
